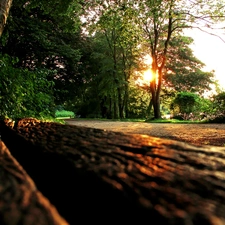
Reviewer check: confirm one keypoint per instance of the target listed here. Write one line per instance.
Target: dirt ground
(197, 134)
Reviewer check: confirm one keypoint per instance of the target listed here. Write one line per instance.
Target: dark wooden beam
(20, 201)
(109, 177)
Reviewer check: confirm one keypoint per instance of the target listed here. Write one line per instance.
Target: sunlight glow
(146, 76)
(148, 59)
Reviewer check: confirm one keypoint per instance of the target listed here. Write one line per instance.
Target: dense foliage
(85, 57)
(24, 93)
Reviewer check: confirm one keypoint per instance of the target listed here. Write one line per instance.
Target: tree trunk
(115, 107)
(156, 107)
(126, 98)
(110, 109)
(149, 109)
(120, 103)
(5, 6)
(156, 104)
(155, 92)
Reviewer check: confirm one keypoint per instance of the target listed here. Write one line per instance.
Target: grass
(64, 114)
(52, 119)
(175, 121)
(129, 120)
(142, 120)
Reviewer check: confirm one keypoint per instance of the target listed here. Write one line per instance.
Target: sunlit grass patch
(173, 121)
(64, 114)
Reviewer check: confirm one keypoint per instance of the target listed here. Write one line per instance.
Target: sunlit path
(200, 134)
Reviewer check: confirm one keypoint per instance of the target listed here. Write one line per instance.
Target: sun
(145, 78)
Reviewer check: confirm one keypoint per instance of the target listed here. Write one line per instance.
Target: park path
(199, 134)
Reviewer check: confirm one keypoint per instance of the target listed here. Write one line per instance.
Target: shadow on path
(198, 134)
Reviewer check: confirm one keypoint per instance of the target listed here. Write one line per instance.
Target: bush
(24, 93)
(219, 103)
(64, 113)
(185, 102)
(178, 117)
(217, 119)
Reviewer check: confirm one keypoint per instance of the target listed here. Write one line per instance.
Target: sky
(211, 51)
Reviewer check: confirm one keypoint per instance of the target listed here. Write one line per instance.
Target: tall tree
(115, 24)
(161, 20)
(183, 71)
(5, 6)
(43, 34)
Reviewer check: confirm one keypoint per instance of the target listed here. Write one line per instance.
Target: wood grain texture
(20, 201)
(109, 177)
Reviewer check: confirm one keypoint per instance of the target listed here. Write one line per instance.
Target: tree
(43, 35)
(47, 35)
(20, 95)
(117, 35)
(183, 71)
(40, 35)
(185, 103)
(219, 103)
(5, 6)
(161, 20)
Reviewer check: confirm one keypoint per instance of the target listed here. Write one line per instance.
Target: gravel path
(198, 134)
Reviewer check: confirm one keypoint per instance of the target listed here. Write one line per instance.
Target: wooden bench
(102, 177)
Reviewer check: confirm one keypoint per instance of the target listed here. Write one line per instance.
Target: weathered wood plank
(91, 174)
(20, 201)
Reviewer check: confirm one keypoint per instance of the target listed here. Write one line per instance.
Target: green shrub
(219, 103)
(64, 113)
(24, 93)
(185, 102)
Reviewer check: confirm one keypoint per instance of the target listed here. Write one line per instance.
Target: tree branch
(5, 6)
